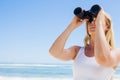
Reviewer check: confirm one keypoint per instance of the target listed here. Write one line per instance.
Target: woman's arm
(57, 49)
(104, 55)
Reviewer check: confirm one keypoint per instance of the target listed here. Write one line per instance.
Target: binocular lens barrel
(90, 14)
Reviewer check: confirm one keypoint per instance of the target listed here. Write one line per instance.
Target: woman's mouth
(92, 28)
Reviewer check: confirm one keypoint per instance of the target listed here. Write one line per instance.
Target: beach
(21, 78)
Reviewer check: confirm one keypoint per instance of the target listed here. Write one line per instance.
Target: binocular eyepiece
(90, 14)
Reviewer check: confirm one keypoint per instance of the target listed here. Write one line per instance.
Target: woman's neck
(92, 42)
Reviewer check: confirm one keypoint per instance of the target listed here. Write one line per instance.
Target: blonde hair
(109, 34)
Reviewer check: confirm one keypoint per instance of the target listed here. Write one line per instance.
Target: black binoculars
(90, 14)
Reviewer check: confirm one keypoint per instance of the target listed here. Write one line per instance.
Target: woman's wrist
(72, 26)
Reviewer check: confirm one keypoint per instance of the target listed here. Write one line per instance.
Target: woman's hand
(76, 22)
(100, 20)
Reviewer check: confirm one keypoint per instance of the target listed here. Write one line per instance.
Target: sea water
(40, 71)
(35, 70)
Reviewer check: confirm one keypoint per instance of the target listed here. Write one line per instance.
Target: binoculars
(90, 14)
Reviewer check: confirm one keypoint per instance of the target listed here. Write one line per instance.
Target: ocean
(35, 70)
(41, 71)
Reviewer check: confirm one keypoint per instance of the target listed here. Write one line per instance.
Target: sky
(28, 28)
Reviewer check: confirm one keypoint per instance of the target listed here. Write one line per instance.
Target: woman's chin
(92, 33)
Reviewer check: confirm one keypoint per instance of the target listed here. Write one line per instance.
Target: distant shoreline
(14, 64)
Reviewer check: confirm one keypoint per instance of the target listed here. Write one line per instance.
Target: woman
(98, 59)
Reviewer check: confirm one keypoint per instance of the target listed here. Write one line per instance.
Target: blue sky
(29, 27)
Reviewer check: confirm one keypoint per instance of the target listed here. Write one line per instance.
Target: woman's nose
(93, 22)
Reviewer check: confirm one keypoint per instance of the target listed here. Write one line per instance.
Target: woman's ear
(108, 27)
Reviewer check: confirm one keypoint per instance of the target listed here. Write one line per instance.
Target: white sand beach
(28, 78)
